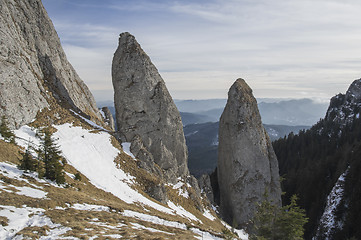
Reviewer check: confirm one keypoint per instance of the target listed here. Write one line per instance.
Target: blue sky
(283, 49)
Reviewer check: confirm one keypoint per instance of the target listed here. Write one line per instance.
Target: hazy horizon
(298, 49)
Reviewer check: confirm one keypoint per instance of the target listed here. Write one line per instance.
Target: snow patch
(181, 192)
(72, 176)
(204, 235)
(30, 192)
(208, 215)
(126, 149)
(91, 123)
(90, 207)
(153, 219)
(240, 232)
(138, 226)
(93, 155)
(11, 171)
(105, 225)
(20, 218)
(116, 236)
(182, 212)
(102, 113)
(26, 136)
(328, 220)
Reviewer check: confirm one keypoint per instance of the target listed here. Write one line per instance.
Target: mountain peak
(354, 91)
(344, 107)
(126, 39)
(241, 84)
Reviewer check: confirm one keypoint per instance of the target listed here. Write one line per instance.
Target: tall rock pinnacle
(145, 112)
(33, 67)
(247, 164)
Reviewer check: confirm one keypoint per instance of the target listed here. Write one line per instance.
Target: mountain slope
(318, 157)
(109, 200)
(106, 194)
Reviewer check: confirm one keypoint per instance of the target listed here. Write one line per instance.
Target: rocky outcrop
(108, 117)
(146, 111)
(205, 186)
(247, 164)
(33, 67)
(345, 107)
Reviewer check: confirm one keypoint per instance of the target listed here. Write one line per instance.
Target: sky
(282, 48)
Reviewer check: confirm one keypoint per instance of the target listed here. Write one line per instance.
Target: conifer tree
(279, 223)
(50, 155)
(5, 131)
(28, 163)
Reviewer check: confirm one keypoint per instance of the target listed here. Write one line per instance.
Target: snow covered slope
(328, 221)
(109, 201)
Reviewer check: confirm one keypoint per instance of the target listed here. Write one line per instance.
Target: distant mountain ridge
(291, 112)
(202, 142)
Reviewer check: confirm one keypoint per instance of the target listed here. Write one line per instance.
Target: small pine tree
(50, 155)
(279, 223)
(28, 163)
(264, 220)
(290, 222)
(5, 131)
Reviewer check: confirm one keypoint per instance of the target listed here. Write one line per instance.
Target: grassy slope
(86, 223)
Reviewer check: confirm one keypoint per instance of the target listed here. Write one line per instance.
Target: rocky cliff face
(33, 67)
(247, 164)
(145, 112)
(344, 107)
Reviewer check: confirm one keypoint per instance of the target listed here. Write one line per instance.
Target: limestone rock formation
(108, 118)
(33, 66)
(145, 110)
(247, 164)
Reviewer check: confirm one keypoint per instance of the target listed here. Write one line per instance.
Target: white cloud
(288, 48)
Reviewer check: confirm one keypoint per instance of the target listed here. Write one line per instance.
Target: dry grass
(83, 223)
(4, 221)
(58, 114)
(9, 152)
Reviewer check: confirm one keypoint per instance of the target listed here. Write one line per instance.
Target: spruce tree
(278, 223)
(5, 131)
(50, 155)
(290, 221)
(28, 163)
